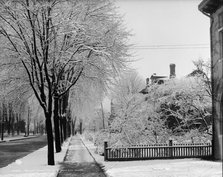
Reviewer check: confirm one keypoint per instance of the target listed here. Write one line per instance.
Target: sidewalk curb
(21, 138)
(67, 148)
(57, 172)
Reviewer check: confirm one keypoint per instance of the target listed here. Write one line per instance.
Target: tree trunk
(68, 128)
(56, 125)
(17, 120)
(73, 126)
(34, 127)
(64, 107)
(37, 127)
(8, 120)
(49, 132)
(64, 128)
(61, 129)
(13, 123)
(28, 123)
(60, 119)
(80, 127)
(69, 124)
(2, 128)
(2, 133)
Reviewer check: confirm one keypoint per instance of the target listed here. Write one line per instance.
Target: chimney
(172, 71)
(147, 81)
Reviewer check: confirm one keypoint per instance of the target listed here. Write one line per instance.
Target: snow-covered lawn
(35, 164)
(159, 168)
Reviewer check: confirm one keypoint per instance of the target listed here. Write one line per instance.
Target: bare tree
(59, 41)
(99, 49)
(203, 71)
(127, 121)
(125, 86)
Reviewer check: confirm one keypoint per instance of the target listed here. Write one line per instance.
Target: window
(220, 30)
(220, 21)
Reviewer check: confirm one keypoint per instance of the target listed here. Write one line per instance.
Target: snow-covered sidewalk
(79, 162)
(35, 164)
(158, 168)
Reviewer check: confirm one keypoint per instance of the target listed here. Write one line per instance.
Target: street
(10, 151)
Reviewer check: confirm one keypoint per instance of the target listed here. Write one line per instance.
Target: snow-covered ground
(35, 164)
(159, 168)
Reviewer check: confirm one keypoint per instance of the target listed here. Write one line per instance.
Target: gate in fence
(157, 151)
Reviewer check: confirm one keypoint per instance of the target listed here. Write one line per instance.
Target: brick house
(214, 10)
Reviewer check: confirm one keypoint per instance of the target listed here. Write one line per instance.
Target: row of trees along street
(12, 122)
(62, 52)
(17, 111)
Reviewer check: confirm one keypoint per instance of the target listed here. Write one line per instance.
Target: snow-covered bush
(186, 106)
(192, 136)
(90, 136)
(179, 109)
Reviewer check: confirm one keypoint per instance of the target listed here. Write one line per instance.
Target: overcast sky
(166, 31)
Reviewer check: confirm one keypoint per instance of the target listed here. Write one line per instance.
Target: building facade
(214, 10)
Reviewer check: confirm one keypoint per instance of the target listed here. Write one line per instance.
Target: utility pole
(103, 115)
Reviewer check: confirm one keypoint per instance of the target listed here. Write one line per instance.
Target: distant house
(159, 79)
(196, 72)
(214, 10)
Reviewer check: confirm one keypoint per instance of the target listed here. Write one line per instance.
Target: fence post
(105, 150)
(170, 148)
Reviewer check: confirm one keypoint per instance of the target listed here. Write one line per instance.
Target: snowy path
(79, 162)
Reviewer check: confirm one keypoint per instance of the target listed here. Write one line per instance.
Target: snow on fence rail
(157, 151)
